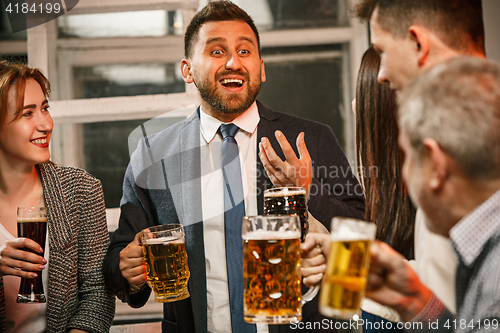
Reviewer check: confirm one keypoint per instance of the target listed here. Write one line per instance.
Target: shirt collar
(246, 121)
(470, 235)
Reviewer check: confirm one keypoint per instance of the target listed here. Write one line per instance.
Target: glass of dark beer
(32, 224)
(288, 201)
(271, 270)
(165, 258)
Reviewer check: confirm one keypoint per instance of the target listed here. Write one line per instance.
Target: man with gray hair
(449, 119)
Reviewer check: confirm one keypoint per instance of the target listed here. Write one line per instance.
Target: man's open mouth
(232, 83)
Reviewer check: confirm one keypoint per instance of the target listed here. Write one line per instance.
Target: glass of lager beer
(344, 283)
(288, 201)
(32, 224)
(271, 270)
(165, 258)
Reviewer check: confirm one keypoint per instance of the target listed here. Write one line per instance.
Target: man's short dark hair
(458, 23)
(215, 11)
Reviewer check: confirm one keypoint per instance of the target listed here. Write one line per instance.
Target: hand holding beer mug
(271, 270)
(165, 258)
(288, 201)
(347, 268)
(32, 224)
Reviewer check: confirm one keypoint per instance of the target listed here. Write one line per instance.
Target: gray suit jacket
(162, 185)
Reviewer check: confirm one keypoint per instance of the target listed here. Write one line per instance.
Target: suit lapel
(190, 172)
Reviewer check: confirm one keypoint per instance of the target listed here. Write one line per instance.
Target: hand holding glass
(165, 258)
(347, 268)
(32, 224)
(271, 270)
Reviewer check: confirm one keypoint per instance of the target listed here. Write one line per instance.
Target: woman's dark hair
(380, 159)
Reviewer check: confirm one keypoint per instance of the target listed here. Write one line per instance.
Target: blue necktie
(234, 210)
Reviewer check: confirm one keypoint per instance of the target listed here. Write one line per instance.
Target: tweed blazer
(78, 241)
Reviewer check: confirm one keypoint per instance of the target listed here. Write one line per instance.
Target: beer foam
(164, 240)
(271, 235)
(284, 192)
(345, 235)
(31, 219)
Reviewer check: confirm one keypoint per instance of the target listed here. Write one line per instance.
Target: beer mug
(32, 224)
(271, 270)
(288, 201)
(344, 283)
(165, 258)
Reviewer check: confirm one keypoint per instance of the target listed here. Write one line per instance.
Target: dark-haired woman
(380, 159)
(387, 202)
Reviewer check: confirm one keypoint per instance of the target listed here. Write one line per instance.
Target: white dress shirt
(436, 262)
(219, 315)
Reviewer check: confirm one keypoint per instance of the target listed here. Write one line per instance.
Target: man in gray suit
(176, 176)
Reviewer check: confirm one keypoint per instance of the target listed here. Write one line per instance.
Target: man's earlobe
(187, 75)
(438, 164)
(262, 71)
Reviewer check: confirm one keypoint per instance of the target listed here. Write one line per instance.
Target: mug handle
(310, 294)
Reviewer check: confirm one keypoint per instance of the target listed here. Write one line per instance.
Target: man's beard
(229, 105)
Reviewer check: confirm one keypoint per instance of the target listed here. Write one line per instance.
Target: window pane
(18, 58)
(152, 23)
(308, 13)
(106, 151)
(295, 14)
(127, 80)
(310, 87)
